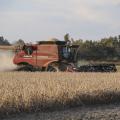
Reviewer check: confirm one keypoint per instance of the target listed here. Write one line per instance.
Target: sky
(34, 20)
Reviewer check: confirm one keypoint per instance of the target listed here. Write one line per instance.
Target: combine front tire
(53, 68)
(61, 67)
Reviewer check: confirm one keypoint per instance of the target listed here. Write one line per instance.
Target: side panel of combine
(46, 54)
(23, 58)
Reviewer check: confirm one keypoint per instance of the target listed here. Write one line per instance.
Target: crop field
(25, 92)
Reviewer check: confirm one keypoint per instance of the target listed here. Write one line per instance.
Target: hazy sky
(34, 20)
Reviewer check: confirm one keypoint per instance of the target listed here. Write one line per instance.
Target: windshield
(66, 52)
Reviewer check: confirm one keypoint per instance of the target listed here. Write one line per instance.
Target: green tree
(4, 41)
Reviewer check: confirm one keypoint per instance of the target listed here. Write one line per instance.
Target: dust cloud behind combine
(6, 61)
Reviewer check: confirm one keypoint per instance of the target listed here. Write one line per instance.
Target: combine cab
(52, 56)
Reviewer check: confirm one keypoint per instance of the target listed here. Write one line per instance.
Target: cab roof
(52, 42)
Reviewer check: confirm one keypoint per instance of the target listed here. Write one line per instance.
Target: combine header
(52, 56)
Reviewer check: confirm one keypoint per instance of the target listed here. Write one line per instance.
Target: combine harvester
(52, 56)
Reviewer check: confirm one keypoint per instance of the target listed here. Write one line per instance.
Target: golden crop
(24, 91)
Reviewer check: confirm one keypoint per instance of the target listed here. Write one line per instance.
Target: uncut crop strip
(31, 92)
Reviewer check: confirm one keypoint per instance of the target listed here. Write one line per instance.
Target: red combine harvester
(52, 56)
(46, 56)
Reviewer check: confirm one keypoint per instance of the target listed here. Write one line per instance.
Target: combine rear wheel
(27, 68)
(24, 68)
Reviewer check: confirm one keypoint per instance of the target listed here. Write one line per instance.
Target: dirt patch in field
(107, 112)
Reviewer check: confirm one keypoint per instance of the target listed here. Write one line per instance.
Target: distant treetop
(3, 41)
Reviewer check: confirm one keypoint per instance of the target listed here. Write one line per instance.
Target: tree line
(106, 49)
(4, 41)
